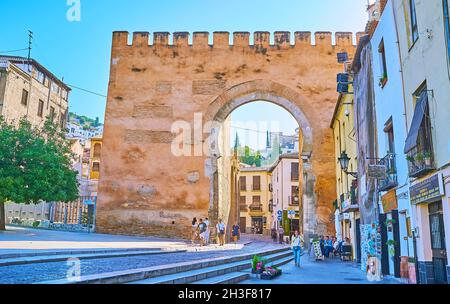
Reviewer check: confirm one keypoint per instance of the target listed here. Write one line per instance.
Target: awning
(419, 114)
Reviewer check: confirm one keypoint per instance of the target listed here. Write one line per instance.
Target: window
(243, 183)
(256, 183)
(24, 97)
(383, 65)
(294, 195)
(52, 113)
(414, 27)
(40, 77)
(447, 26)
(242, 201)
(97, 150)
(294, 172)
(389, 131)
(55, 88)
(256, 200)
(96, 167)
(40, 108)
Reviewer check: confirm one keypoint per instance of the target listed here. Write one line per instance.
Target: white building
(395, 208)
(424, 40)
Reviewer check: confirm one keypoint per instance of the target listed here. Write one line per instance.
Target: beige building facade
(254, 200)
(27, 89)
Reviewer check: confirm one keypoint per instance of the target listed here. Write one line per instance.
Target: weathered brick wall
(144, 188)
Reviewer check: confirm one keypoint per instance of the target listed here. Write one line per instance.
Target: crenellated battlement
(221, 40)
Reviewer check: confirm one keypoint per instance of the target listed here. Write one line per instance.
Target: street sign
(88, 202)
(377, 171)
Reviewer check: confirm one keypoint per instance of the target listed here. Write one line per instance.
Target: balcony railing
(420, 162)
(256, 208)
(390, 181)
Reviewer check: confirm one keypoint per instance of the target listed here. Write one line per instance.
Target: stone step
(70, 252)
(237, 277)
(64, 257)
(188, 277)
(132, 275)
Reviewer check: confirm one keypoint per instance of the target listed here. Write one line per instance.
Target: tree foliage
(35, 165)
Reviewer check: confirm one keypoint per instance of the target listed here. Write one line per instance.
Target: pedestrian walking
(220, 227)
(274, 235)
(208, 230)
(296, 246)
(202, 232)
(194, 230)
(281, 235)
(235, 233)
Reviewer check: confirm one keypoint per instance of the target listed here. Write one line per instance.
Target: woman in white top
(296, 245)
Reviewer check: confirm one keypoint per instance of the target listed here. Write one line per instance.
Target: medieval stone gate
(144, 187)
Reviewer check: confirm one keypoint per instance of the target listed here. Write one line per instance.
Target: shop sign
(427, 190)
(377, 171)
(389, 201)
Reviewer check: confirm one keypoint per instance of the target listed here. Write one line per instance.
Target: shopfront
(431, 204)
(389, 220)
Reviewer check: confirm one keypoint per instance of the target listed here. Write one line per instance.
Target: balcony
(390, 181)
(349, 202)
(256, 208)
(420, 162)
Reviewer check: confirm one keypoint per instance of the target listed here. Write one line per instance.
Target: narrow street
(31, 247)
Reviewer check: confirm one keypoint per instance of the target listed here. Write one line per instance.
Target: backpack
(202, 227)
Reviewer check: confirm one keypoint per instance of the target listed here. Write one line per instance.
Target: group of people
(278, 235)
(331, 245)
(201, 231)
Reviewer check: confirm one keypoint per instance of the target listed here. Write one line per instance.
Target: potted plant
(427, 158)
(257, 265)
(383, 80)
(419, 157)
(391, 244)
(271, 273)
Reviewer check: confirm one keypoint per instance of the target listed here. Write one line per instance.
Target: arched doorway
(222, 107)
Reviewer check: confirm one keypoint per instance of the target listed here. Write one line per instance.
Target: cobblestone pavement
(332, 271)
(34, 273)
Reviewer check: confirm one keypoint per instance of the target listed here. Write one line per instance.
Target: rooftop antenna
(30, 43)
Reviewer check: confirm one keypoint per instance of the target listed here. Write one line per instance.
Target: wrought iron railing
(391, 180)
(420, 162)
(256, 208)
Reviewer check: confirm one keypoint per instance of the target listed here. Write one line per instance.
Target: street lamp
(344, 161)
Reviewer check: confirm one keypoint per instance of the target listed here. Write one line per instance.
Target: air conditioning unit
(342, 88)
(343, 78)
(342, 57)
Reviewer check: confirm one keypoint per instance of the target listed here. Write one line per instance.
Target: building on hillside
(286, 196)
(395, 207)
(27, 89)
(424, 41)
(75, 130)
(347, 218)
(254, 200)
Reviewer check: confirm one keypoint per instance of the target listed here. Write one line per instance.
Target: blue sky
(80, 51)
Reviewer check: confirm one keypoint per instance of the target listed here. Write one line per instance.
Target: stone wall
(144, 188)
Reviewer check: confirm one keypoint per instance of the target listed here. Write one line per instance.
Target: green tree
(35, 165)
(250, 157)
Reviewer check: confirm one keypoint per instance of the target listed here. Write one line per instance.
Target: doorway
(438, 247)
(358, 241)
